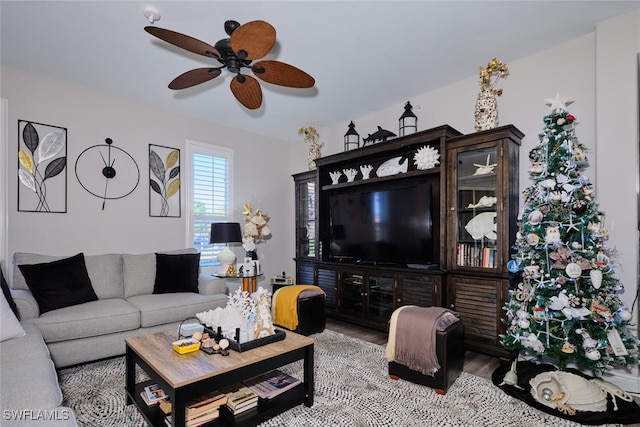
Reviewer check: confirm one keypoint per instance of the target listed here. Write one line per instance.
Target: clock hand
(103, 160)
(104, 198)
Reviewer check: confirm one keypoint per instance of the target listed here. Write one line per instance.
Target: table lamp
(225, 232)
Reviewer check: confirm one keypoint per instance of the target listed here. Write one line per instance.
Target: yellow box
(186, 345)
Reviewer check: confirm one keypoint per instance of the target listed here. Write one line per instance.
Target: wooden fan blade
(194, 77)
(183, 41)
(282, 74)
(253, 40)
(248, 92)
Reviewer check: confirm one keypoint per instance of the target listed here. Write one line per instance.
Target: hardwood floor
(478, 364)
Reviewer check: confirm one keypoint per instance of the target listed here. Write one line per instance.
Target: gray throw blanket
(412, 336)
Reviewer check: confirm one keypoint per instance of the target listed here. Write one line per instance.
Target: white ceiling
(364, 55)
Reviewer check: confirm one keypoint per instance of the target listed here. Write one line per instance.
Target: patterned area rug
(352, 388)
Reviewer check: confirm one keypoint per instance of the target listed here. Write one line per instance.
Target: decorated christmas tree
(564, 307)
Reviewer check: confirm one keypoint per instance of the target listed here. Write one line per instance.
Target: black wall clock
(107, 172)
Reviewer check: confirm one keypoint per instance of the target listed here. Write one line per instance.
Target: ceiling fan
(245, 44)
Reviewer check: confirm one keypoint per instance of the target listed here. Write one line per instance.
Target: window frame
(208, 261)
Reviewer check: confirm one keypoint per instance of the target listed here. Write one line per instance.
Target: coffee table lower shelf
(267, 408)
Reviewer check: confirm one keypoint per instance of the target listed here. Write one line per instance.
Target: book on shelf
(271, 384)
(209, 401)
(197, 420)
(239, 396)
(154, 394)
(244, 409)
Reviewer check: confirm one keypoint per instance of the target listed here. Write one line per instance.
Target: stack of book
(271, 384)
(240, 399)
(202, 410)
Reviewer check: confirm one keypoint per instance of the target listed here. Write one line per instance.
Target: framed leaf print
(164, 181)
(42, 168)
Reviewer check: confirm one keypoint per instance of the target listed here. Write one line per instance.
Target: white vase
(314, 153)
(486, 113)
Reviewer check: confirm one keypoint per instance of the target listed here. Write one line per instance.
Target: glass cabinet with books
(483, 199)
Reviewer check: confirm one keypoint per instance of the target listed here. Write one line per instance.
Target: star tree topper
(558, 103)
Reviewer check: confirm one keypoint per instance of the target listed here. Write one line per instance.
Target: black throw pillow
(176, 273)
(58, 284)
(7, 294)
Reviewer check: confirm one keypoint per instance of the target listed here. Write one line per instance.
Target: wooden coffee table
(187, 376)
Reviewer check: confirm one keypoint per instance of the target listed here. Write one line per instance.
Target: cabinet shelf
(380, 179)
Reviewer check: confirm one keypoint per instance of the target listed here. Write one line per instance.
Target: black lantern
(408, 121)
(351, 138)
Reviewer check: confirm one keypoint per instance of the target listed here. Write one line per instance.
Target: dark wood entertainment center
(474, 204)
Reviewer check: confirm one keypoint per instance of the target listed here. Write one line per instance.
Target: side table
(249, 283)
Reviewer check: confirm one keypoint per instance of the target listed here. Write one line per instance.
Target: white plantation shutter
(210, 196)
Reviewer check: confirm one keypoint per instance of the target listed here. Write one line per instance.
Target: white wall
(260, 175)
(617, 48)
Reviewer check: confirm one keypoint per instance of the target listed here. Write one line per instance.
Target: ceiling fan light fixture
(230, 26)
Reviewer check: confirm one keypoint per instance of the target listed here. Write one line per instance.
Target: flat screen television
(392, 226)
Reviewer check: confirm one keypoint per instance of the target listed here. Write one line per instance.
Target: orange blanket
(284, 304)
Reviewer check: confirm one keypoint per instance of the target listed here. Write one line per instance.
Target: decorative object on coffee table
(486, 113)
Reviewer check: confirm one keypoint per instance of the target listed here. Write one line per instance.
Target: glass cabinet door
(306, 243)
(352, 293)
(380, 296)
(476, 208)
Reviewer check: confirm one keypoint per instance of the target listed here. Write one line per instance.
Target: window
(209, 196)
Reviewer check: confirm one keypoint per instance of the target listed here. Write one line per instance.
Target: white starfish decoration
(485, 169)
(558, 103)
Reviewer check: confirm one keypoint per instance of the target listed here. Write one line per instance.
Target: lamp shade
(225, 232)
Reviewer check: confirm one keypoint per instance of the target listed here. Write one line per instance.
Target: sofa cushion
(156, 309)
(139, 271)
(105, 272)
(32, 385)
(58, 284)
(85, 320)
(24, 348)
(9, 325)
(176, 273)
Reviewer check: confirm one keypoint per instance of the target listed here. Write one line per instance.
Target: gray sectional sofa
(93, 330)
